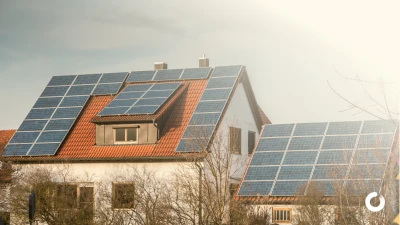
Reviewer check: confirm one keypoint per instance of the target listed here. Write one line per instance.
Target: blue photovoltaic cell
(157, 94)
(87, 79)
(277, 130)
(167, 86)
(362, 187)
(130, 95)
(32, 125)
(81, 90)
(295, 172)
(198, 131)
(113, 77)
(142, 110)
(224, 82)
(54, 91)
(52, 136)
(113, 111)
(192, 145)
(370, 171)
(121, 103)
(335, 157)
(371, 156)
(266, 158)
(67, 113)
(352, 127)
(107, 89)
(307, 129)
(289, 188)
(173, 74)
(141, 87)
(61, 124)
(47, 102)
(375, 141)
(16, 149)
(74, 101)
(226, 71)
(339, 142)
(204, 119)
(255, 188)
(141, 76)
(216, 94)
(210, 106)
(333, 172)
(24, 137)
(305, 143)
(378, 126)
(271, 144)
(44, 149)
(303, 157)
(40, 113)
(195, 73)
(61, 80)
(151, 101)
(261, 173)
(327, 188)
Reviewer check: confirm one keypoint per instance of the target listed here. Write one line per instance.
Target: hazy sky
(290, 48)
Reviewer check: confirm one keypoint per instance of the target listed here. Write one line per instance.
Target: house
(335, 164)
(101, 124)
(5, 177)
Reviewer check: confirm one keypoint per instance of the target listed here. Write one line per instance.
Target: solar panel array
(54, 113)
(209, 109)
(140, 99)
(291, 157)
(171, 74)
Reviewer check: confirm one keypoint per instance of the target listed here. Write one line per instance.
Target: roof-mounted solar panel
(172, 74)
(107, 89)
(87, 79)
(47, 102)
(113, 77)
(141, 76)
(62, 80)
(195, 73)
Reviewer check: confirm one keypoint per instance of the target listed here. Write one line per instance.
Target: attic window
(127, 135)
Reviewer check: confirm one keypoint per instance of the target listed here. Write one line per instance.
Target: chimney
(160, 66)
(204, 62)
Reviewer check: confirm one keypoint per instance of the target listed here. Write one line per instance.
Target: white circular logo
(373, 208)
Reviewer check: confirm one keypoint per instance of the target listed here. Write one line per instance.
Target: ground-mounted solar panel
(141, 76)
(338, 155)
(87, 79)
(172, 74)
(195, 73)
(113, 77)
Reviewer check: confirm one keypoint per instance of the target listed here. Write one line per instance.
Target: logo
(373, 208)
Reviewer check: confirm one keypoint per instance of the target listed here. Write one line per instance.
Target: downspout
(158, 132)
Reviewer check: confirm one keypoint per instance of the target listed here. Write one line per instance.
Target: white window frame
(126, 135)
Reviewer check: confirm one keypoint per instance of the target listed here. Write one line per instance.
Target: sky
(300, 55)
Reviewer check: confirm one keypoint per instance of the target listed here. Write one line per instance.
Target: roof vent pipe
(160, 66)
(204, 62)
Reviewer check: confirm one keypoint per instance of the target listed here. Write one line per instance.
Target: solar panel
(16, 149)
(54, 91)
(204, 119)
(150, 101)
(113, 111)
(62, 80)
(142, 110)
(196, 73)
(44, 149)
(141, 87)
(255, 188)
(64, 113)
(221, 82)
(277, 130)
(226, 71)
(47, 102)
(24, 137)
(107, 89)
(362, 187)
(198, 132)
(192, 145)
(343, 156)
(74, 101)
(60, 124)
(158, 94)
(121, 103)
(113, 77)
(32, 125)
(210, 106)
(87, 79)
(327, 188)
(215, 94)
(165, 86)
(130, 95)
(138, 76)
(40, 113)
(81, 90)
(52, 136)
(173, 74)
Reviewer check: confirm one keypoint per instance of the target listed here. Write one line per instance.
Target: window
(235, 140)
(251, 141)
(86, 199)
(280, 215)
(126, 135)
(67, 196)
(123, 195)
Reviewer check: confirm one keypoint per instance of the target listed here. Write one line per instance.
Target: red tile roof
(5, 136)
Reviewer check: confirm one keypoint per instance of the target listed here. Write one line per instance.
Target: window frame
(283, 209)
(120, 206)
(235, 147)
(251, 150)
(126, 135)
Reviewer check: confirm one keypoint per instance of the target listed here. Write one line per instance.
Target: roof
(264, 117)
(79, 144)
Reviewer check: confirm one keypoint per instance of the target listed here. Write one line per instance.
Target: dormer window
(128, 135)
